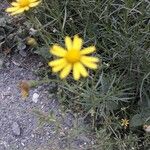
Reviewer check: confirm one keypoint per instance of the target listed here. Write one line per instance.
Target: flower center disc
(73, 56)
(24, 3)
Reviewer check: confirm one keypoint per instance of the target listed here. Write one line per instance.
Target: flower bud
(31, 41)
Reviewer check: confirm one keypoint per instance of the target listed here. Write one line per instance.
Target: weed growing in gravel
(119, 88)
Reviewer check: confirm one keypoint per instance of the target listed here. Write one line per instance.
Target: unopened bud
(31, 41)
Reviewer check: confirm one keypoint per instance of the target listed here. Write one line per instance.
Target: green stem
(34, 83)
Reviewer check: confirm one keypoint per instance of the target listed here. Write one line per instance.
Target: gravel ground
(19, 127)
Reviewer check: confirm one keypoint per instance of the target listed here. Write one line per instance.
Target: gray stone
(16, 129)
(23, 53)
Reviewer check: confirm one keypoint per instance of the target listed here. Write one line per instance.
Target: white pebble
(35, 97)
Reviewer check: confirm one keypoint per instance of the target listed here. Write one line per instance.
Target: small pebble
(23, 53)
(16, 129)
(32, 31)
(35, 97)
(32, 135)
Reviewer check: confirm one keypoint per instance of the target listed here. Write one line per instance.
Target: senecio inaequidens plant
(73, 57)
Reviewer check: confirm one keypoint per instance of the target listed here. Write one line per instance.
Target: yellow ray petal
(65, 72)
(12, 9)
(68, 43)
(76, 73)
(20, 10)
(58, 51)
(57, 62)
(31, 1)
(33, 4)
(88, 50)
(77, 43)
(14, 4)
(26, 8)
(82, 70)
(89, 59)
(59, 67)
(88, 64)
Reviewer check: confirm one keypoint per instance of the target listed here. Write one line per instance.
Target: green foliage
(8, 28)
(44, 118)
(102, 93)
(43, 51)
(14, 32)
(106, 142)
(140, 119)
(137, 120)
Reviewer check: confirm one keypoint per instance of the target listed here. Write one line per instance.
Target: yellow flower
(73, 58)
(21, 5)
(125, 123)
